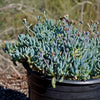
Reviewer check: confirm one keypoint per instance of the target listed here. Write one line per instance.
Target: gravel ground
(8, 94)
(13, 79)
(13, 87)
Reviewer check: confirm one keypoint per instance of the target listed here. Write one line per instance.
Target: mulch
(13, 87)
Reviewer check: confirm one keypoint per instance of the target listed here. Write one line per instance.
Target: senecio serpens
(58, 49)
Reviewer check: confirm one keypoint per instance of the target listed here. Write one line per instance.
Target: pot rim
(72, 82)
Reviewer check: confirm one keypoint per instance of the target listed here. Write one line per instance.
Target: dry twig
(16, 71)
(9, 66)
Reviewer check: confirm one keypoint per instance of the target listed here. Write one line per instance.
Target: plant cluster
(58, 49)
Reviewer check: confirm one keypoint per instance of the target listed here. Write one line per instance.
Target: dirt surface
(13, 87)
(13, 79)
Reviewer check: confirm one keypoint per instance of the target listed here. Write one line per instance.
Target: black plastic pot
(40, 88)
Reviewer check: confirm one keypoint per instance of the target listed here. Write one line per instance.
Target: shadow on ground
(8, 94)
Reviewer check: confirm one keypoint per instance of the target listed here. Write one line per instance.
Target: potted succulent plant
(62, 63)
